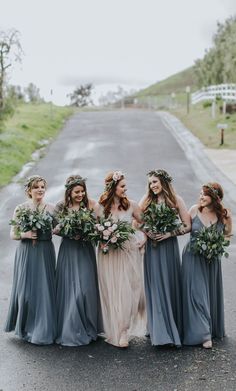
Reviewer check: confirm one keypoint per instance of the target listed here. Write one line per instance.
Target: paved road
(91, 144)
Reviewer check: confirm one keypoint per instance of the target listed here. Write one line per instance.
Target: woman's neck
(209, 210)
(116, 201)
(160, 198)
(75, 205)
(36, 202)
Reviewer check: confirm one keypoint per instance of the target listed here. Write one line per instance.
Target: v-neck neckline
(206, 226)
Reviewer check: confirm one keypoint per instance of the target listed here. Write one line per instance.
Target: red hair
(216, 193)
(107, 197)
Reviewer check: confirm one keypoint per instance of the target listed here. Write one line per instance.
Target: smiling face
(121, 189)
(77, 194)
(37, 191)
(155, 184)
(204, 200)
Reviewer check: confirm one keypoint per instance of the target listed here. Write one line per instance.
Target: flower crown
(212, 189)
(76, 182)
(162, 173)
(31, 179)
(117, 175)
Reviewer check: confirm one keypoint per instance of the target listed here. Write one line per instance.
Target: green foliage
(74, 223)
(209, 243)
(80, 97)
(33, 94)
(207, 103)
(160, 218)
(32, 220)
(219, 63)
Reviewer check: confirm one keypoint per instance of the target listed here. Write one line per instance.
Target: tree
(81, 95)
(219, 63)
(15, 93)
(10, 52)
(32, 93)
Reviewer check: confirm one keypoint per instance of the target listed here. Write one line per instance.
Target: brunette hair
(215, 191)
(71, 182)
(31, 183)
(107, 197)
(167, 188)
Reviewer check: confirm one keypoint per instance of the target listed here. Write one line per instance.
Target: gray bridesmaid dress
(32, 310)
(203, 302)
(78, 304)
(163, 292)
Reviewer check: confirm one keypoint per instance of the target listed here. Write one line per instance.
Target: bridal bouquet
(78, 223)
(209, 243)
(111, 234)
(160, 218)
(32, 220)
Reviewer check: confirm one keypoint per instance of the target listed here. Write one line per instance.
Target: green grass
(201, 124)
(176, 83)
(199, 120)
(21, 135)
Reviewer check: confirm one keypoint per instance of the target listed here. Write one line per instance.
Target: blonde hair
(31, 183)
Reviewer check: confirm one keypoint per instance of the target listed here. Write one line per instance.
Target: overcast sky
(132, 43)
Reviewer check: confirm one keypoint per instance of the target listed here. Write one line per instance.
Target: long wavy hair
(32, 182)
(168, 191)
(71, 182)
(107, 197)
(216, 193)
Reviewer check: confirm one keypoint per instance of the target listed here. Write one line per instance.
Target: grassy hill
(26, 132)
(198, 119)
(176, 83)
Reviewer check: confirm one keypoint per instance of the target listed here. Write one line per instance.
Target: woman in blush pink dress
(120, 271)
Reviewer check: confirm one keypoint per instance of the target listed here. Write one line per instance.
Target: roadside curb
(204, 168)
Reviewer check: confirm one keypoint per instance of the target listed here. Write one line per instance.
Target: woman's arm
(228, 225)
(56, 226)
(184, 215)
(137, 211)
(14, 233)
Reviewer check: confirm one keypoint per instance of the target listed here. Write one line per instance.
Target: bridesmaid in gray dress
(32, 310)
(78, 304)
(162, 266)
(203, 302)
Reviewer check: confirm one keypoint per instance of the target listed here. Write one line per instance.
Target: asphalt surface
(91, 144)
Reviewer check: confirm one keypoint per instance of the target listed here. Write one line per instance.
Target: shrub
(206, 104)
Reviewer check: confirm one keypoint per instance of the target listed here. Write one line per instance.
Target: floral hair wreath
(162, 173)
(117, 175)
(31, 179)
(212, 189)
(76, 182)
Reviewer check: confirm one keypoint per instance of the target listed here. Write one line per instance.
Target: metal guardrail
(226, 91)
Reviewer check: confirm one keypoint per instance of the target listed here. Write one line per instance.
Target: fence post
(222, 128)
(188, 98)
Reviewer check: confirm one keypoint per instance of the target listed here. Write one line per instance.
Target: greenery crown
(212, 189)
(162, 173)
(76, 182)
(31, 179)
